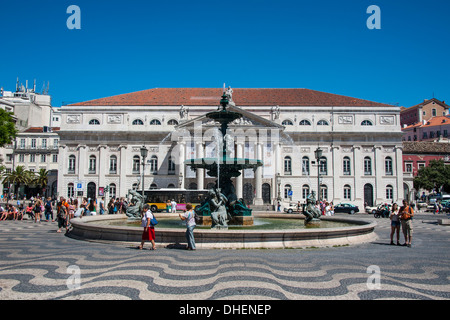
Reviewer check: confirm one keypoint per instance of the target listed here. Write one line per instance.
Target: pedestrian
(189, 217)
(149, 230)
(331, 209)
(174, 206)
(37, 211)
(111, 206)
(62, 214)
(92, 207)
(406, 214)
(48, 209)
(168, 206)
(4, 213)
(395, 223)
(101, 205)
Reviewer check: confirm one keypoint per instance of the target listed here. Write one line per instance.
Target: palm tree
(41, 179)
(17, 177)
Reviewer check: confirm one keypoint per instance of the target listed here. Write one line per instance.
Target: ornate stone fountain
(222, 207)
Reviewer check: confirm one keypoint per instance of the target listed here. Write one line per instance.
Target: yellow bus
(157, 198)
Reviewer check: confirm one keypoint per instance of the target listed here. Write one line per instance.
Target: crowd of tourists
(47, 209)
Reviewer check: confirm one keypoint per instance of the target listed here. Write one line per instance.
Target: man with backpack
(406, 214)
(62, 214)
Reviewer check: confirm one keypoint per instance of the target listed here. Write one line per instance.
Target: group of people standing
(402, 217)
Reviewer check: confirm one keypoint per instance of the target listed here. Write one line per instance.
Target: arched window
(323, 192)
(171, 186)
(287, 165)
(113, 164)
(323, 166)
(346, 166)
(305, 122)
(172, 122)
(112, 190)
(153, 164)
(367, 166)
(70, 190)
(287, 188)
(347, 192)
(72, 162)
(305, 166)
(305, 191)
(322, 123)
(389, 192)
(171, 165)
(287, 123)
(388, 166)
(366, 123)
(138, 122)
(153, 186)
(92, 164)
(136, 164)
(155, 122)
(94, 122)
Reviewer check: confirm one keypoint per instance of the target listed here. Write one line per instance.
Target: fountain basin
(361, 231)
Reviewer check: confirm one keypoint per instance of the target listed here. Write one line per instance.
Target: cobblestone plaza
(38, 263)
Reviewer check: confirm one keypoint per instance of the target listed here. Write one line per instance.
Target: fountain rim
(362, 232)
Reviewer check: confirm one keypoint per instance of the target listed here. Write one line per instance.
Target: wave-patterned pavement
(37, 263)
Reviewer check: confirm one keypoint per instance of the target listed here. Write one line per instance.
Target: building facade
(417, 155)
(424, 111)
(36, 144)
(436, 129)
(361, 143)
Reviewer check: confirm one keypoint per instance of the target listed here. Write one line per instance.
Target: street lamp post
(144, 153)
(318, 154)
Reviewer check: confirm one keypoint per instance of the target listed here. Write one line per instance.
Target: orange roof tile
(242, 97)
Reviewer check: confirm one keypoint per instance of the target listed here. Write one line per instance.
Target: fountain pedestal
(222, 207)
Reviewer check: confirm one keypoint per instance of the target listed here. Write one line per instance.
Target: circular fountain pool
(270, 231)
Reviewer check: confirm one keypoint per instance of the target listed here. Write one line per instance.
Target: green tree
(41, 179)
(434, 176)
(18, 177)
(8, 129)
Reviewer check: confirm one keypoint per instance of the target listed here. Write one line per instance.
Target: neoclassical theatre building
(360, 143)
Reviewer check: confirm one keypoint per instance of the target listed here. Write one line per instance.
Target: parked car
(371, 209)
(346, 207)
(291, 208)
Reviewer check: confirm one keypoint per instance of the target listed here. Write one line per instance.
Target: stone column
(121, 189)
(240, 178)
(258, 175)
(181, 158)
(200, 172)
(278, 170)
(337, 171)
(102, 165)
(82, 166)
(358, 172)
(399, 173)
(378, 165)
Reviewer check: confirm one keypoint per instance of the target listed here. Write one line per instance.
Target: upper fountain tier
(227, 166)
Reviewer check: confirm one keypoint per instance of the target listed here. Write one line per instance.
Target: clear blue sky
(126, 46)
